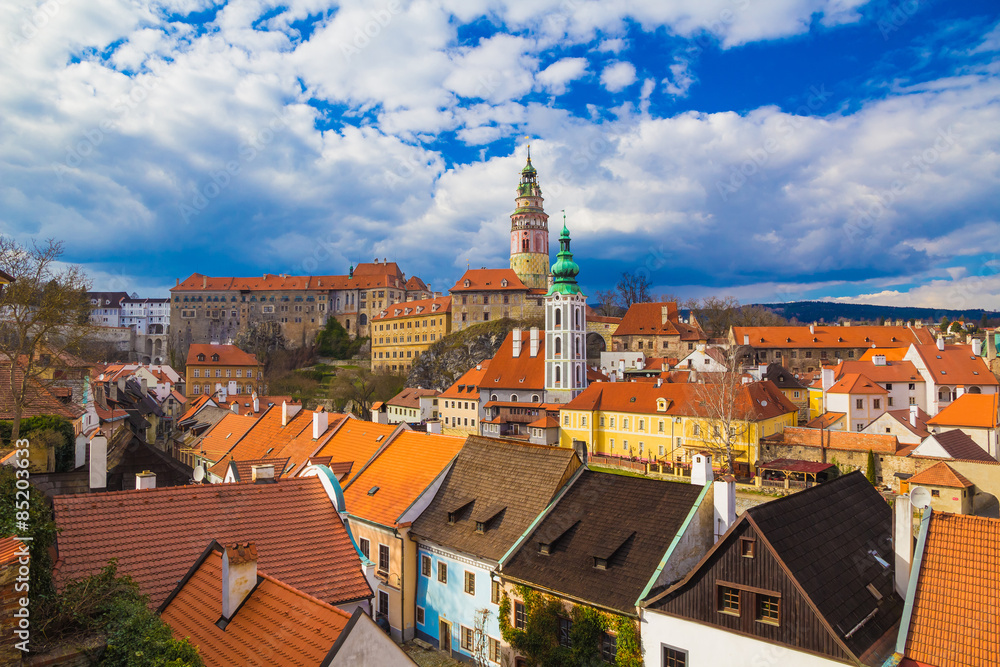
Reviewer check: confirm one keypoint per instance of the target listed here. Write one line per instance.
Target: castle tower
(565, 329)
(529, 232)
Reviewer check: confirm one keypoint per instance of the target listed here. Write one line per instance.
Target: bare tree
(480, 652)
(363, 388)
(632, 288)
(44, 312)
(717, 315)
(262, 338)
(608, 300)
(726, 409)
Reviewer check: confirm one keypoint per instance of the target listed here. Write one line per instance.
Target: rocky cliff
(446, 360)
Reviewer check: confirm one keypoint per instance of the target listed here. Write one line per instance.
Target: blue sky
(772, 151)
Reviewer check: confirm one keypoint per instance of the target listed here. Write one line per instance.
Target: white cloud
(618, 76)
(680, 80)
(556, 77)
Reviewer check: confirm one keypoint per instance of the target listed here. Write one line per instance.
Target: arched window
(576, 317)
(535, 398)
(493, 397)
(558, 316)
(576, 346)
(974, 390)
(362, 319)
(579, 376)
(944, 394)
(513, 398)
(558, 344)
(558, 375)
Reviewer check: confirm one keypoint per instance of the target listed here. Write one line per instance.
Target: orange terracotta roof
(419, 308)
(39, 400)
(467, 386)
(10, 549)
(245, 402)
(356, 442)
(226, 432)
(879, 443)
(157, 533)
(890, 353)
(229, 355)
(956, 364)
(410, 397)
(954, 621)
(244, 469)
(384, 489)
(826, 420)
(893, 371)
(855, 383)
(415, 284)
(196, 405)
(941, 474)
(284, 624)
(649, 319)
(522, 372)
(378, 274)
(545, 421)
(903, 417)
(970, 410)
(831, 336)
(481, 280)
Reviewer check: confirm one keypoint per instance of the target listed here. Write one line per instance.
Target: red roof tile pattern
(226, 432)
(831, 336)
(355, 443)
(156, 535)
(970, 410)
(277, 625)
(941, 474)
(410, 397)
(890, 353)
(9, 549)
(195, 405)
(421, 307)
(39, 400)
(795, 465)
(467, 386)
(401, 471)
(649, 319)
(903, 417)
(378, 274)
(826, 420)
(893, 371)
(879, 443)
(954, 621)
(523, 372)
(489, 280)
(229, 355)
(956, 364)
(855, 383)
(244, 469)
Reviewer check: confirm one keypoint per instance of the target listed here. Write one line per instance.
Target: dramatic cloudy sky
(768, 149)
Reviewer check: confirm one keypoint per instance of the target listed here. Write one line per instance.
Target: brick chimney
(289, 410)
(664, 314)
(262, 472)
(239, 576)
(321, 419)
(145, 480)
(144, 386)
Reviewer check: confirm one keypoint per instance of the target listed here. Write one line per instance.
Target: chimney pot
(239, 576)
(977, 347)
(701, 469)
(145, 480)
(262, 472)
(321, 420)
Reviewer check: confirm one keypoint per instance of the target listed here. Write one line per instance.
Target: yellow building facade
(214, 367)
(404, 331)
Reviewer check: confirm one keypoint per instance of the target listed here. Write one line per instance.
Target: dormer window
(503, 283)
(467, 282)
(201, 357)
(215, 357)
(661, 405)
(600, 563)
(480, 527)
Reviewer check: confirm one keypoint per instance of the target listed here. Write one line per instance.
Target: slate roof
(156, 534)
(632, 526)
(957, 594)
(776, 373)
(277, 623)
(971, 410)
(823, 535)
(522, 478)
(941, 474)
(961, 446)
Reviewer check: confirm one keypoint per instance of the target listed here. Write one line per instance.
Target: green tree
(363, 388)
(38, 525)
(48, 428)
(334, 341)
(870, 471)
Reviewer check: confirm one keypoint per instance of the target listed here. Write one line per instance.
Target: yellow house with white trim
(667, 424)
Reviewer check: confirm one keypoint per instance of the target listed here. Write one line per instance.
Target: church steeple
(565, 270)
(565, 328)
(529, 231)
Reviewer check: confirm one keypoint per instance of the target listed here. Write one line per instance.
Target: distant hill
(830, 312)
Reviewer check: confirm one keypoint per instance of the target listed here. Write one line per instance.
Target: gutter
(911, 592)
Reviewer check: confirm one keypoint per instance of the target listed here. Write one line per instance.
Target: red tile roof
(229, 355)
(401, 472)
(244, 469)
(226, 432)
(941, 474)
(467, 386)
(194, 406)
(891, 354)
(810, 437)
(378, 274)
(592, 316)
(903, 417)
(795, 465)
(523, 372)
(831, 336)
(356, 442)
(854, 383)
(277, 623)
(954, 620)
(489, 280)
(970, 410)
(39, 400)
(410, 397)
(956, 364)
(648, 319)
(893, 371)
(826, 420)
(421, 307)
(156, 534)
(9, 549)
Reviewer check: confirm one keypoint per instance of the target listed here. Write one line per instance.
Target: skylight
(372, 491)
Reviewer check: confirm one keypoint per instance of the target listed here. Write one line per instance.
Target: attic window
(467, 283)
(372, 491)
(215, 357)
(788, 340)
(975, 372)
(944, 372)
(893, 339)
(503, 283)
(632, 399)
(379, 439)
(480, 527)
(600, 563)
(881, 561)
(747, 547)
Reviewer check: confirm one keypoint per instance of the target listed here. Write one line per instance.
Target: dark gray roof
(960, 446)
(831, 538)
(782, 377)
(629, 521)
(502, 483)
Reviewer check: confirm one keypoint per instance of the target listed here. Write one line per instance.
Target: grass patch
(615, 471)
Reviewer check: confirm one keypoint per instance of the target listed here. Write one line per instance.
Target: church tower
(529, 231)
(565, 329)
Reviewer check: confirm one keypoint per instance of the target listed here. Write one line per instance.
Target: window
(565, 627)
(609, 647)
(912, 386)
(859, 404)
(729, 600)
(467, 639)
(495, 592)
(495, 644)
(888, 387)
(889, 404)
(519, 615)
(935, 493)
(197, 373)
(470, 582)
(747, 546)
(768, 609)
(583, 421)
(443, 573)
(876, 404)
(383, 604)
(673, 657)
(566, 420)
(420, 615)
(364, 545)
(697, 429)
(383, 557)
(913, 400)
(425, 565)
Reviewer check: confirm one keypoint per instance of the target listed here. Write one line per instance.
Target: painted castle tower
(565, 329)
(529, 232)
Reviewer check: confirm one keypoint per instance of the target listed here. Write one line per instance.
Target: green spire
(528, 169)
(565, 270)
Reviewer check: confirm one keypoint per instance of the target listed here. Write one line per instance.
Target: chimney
(145, 480)
(434, 426)
(977, 347)
(178, 282)
(746, 339)
(664, 366)
(289, 410)
(239, 576)
(664, 314)
(204, 282)
(144, 386)
(99, 461)
(725, 504)
(533, 350)
(659, 381)
(256, 403)
(812, 329)
(913, 416)
(80, 451)
(878, 360)
(940, 343)
(262, 472)
(902, 542)
(235, 407)
(517, 342)
(321, 419)
(827, 378)
(701, 469)
(113, 392)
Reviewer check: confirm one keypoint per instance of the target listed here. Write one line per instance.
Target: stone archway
(596, 343)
